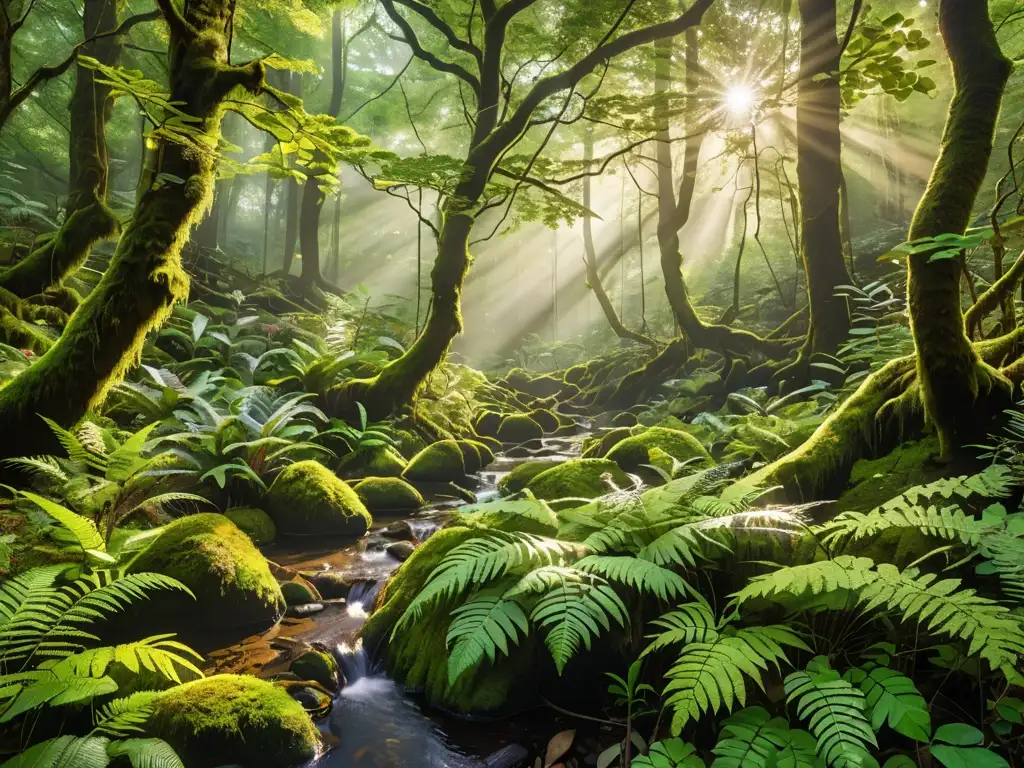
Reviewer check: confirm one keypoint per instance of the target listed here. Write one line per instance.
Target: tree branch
(438, 23)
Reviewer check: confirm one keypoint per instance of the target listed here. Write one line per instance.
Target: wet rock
(509, 756)
(519, 428)
(401, 550)
(330, 584)
(299, 592)
(255, 523)
(307, 498)
(372, 461)
(437, 463)
(400, 530)
(299, 611)
(318, 665)
(388, 494)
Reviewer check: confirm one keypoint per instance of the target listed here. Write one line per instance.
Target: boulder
(255, 523)
(317, 665)
(234, 719)
(578, 478)
(299, 592)
(633, 451)
(547, 419)
(372, 461)
(401, 550)
(519, 428)
(233, 587)
(522, 474)
(307, 498)
(388, 494)
(437, 463)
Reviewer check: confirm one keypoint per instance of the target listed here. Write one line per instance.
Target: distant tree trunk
(820, 177)
(950, 374)
(674, 211)
(292, 197)
(145, 277)
(590, 257)
(88, 218)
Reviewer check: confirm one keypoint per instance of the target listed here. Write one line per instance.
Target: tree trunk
(590, 257)
(145, 277)
(291, 226)
(674, 211)
(88, 218)
(950, 374)
(820, 176)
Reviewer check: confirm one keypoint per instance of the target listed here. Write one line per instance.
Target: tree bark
(292, 198)
(950, 374)
(145, 277)
(820, 176)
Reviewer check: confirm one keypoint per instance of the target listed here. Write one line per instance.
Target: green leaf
(893, 699)
(960, 735)
(669, 753)
(967, 757)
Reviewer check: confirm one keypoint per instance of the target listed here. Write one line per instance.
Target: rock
(437, 463)
(307, 498)
(522, 474)
(230, 579)
(312, 699)
(400, 529)
(633, 451)
(317, 665)
(401, 550)
(233, 719)
(255, 523)
(299, 611)
(299, 592)
(372, 461)
(624, 419)
(580, 478)
(548, 420)
(519, 428)
(487, 422)
(330, 584)
(388, 494)
(475, 455)
(598, 447)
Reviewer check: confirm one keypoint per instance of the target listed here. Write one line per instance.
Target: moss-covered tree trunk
(590, 257)
(674, 210)
(145, 277)
(88, 220)
(950, 374)
(820, 176)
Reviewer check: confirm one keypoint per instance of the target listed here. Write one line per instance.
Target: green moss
(388, 494)
(471, 458)
(437, 463)
(487, 423)
(624, 419)
(372, 461)
(598, 447)
(318, 666)
(521, 475)
(519, 428)
(255, 523)
(633, 451)
(227, 574)
(575, 374)
(580, 478)
(875, 481)
(409, 443)
(307, 498)
(234, 719)
(546, 418)
(299, 592)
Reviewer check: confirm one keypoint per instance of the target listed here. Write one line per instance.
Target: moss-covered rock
(419, 659)
(579, 478)
(299, 592)
(598, 447)
(372, 461)
(318, 666)
(522, 474)
(234, 719)
(519, 428)
(633, 451)
(388, 494)
(437, 463)
(307, 498)
(255, 523)
(547, 419)
(230, 579)
(624, 419)
(486, 422)
(409, 443)
(875, 481)
(485, 449)
(471, 458)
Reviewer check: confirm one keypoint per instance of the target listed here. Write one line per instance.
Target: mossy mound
(486, 423)
(519, 428)
(307, 498)
(875, 481)
(299, 592)
(471, 458)
(598, 447)
(579, 478)
(624, 419)
(437, 463)
(372, 461)
(544, 385)
(419, 659)
(547, 419)
(229, 577)
(234, 719)
(388, 494)
(255, 523)
(318, 666)
(633, 451)
(521, 475)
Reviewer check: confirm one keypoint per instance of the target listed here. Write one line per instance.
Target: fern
(64, 752)
(996, 481)
(950, 523)
(573, 608)
(82, 528)
(834, 711)
(157, 654)
(752, 738)
(690, 623)
(483, 626)
(76, 451)
(639, 574)
(480, 560)
(126, 715)
(893, 699)
(146, 753)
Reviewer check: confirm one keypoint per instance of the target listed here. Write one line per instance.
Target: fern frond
(127, 458)
(574, 607)
(156, 654)
(74, 448)
(82, 528)
(19, 593)
(123, 716)
(949, 523)
(639, 574)
(146, 753)
(483, 626)
(690, 623)
(40, 468)
(64, 752)
(752, 738)
(480, 560)
(54, 691)
(994, 482)
(893, 698)
(834, 711)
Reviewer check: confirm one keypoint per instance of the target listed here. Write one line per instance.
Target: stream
(373, 722)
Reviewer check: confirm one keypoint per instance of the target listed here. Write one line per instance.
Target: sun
(739, 99)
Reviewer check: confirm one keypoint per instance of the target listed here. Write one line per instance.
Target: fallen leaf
(558, 746)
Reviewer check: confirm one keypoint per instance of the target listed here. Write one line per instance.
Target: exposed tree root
(994, 297)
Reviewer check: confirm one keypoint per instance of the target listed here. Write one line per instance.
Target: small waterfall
(353, 661)
(362, 596)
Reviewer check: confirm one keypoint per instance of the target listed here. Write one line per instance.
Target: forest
(512, 383)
